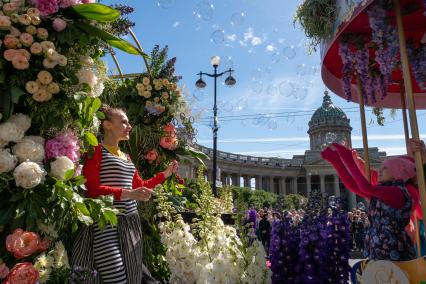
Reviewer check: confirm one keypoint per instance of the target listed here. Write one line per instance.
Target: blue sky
(278, 82)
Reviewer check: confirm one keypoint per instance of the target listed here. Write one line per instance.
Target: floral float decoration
(50, 77)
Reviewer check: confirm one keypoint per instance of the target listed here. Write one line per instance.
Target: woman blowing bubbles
(116, 252)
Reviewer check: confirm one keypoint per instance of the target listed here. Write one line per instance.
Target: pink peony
(169, 142)
(151, 156)
(65, 144)
(11, 42)
(170, 129)
(59, 25)
(4, 270)
(23, 273)
(22, 244)
(47, 7)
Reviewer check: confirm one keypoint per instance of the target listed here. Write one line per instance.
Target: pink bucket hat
(400, 168)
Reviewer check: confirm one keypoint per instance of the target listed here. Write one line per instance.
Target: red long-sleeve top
(352, 177)
(91, 170)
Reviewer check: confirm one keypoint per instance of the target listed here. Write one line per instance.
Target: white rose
(38, 139)
(27, 149)
(7, 161)
(87, 76)
(21, 120)
(60, 166)
(97, 90)
(10, 132)
(28, 175)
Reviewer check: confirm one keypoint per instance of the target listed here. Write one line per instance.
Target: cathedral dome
(327, 111)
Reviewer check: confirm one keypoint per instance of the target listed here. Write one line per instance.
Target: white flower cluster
(87, 75)
(60, 166)
(215, 258)
(54, 259)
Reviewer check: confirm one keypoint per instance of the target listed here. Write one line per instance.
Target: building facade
(298, 175)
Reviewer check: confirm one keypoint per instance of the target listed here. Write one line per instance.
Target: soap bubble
(272, 125)
(289, 52)
(217, 37)
(165, 4)
(237, 19)
(330, 137)
(300, 93)
(286, 88)
(272, 90)
(204, 11)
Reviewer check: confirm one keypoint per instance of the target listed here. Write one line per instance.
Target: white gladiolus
(60, 166)
(21, 120)
(7, 161)
(27, 149)
(28, 175)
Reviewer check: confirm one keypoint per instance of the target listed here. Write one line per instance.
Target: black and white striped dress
(116, 252)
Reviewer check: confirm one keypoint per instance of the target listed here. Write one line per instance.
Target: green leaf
(91, 139)
(16, 197)
(81, 207)
(79, 180)
(110, 39)
(96, 104)
(97, 12)
(110, 216)
(16, 93)
(69, 174)
(100, 115)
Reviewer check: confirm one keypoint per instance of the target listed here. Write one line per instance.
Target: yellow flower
(165, 82)
(157, 87)
(31, 87)
(53, 88)
(149, 88)
(155, 81)
(173, 87)
(145, 81)
(140, 87)
(147, 94)
(25, 20)
(45, 77)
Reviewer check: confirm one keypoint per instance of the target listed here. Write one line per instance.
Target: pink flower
(170, 129)
(43, 244)
(169, 142)
(4, 270)
(20, 62)
(26, 39)
(67, 3)
(10, 42)
(47, 7)
(59, 24)
(65, 144)
(23, 273)
(88, 1)
(9, 54)
(151, 156)
(22, 244)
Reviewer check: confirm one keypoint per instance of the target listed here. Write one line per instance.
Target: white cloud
(256, 41)
(271, 47)
(231, 37)
(176, 24)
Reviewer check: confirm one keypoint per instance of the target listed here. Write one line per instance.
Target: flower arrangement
(208, 251)
(50, 79)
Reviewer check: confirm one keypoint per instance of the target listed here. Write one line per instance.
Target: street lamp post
(229, 81)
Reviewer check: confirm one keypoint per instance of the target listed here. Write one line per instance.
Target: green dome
(328, 110)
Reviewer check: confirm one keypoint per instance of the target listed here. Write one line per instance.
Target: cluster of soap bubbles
(331, 137)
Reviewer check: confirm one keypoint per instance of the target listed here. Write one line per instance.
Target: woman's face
(118, 126)
(385, 175)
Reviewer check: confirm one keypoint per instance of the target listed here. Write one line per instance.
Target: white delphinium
(60, 255)
(60, 167)
(256, 270)
(28, 175)
(43, 263)
(7, 161)
(27, 149)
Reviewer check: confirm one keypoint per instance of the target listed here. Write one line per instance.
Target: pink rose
(59, 24)
(23, 273)
(4, 270)
(26, 39)
(10, 42)
(170, 129)
(169, 142)
(151, 156)
(9, 54)
(20, 62)
(22, 244)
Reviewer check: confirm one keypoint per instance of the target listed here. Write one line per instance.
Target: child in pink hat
(391, 202)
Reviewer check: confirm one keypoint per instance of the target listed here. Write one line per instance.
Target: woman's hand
(140, 194)
(171, 169)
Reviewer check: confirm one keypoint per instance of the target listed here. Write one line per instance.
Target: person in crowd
(390, 202)
(358, 233)
(265, 230)
(116, 252)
